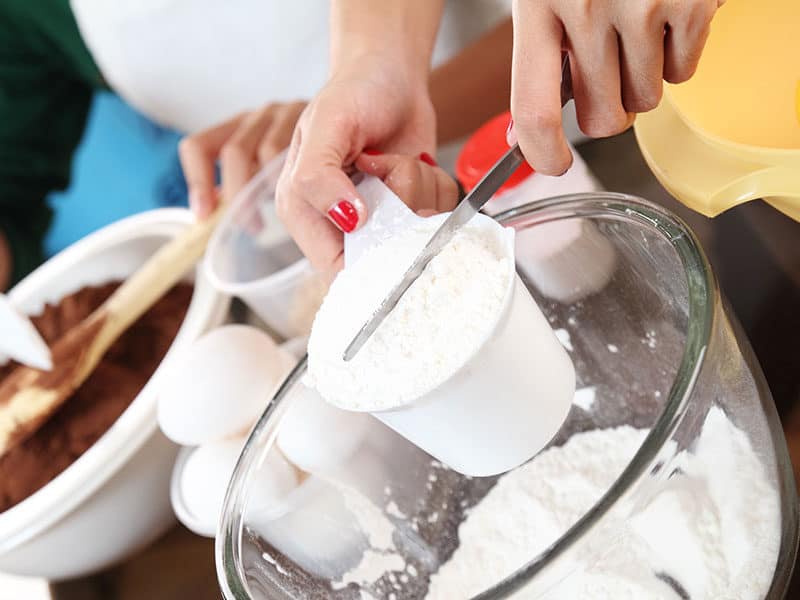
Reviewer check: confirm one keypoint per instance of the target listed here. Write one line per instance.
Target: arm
(473, 86)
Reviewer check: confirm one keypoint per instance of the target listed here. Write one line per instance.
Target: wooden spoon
(29, 396)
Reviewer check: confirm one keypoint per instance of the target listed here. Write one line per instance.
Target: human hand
(242, 145)
(619, 51)
(371, 104)
(418, 181)
(5, 263)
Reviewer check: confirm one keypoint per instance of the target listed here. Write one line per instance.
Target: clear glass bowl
(652, 346)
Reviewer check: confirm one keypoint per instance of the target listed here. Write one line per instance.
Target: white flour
(713, 527)
(435, 328)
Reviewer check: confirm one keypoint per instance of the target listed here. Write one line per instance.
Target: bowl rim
(63, 494)
(703, 297)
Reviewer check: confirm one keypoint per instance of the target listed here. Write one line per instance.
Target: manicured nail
(372, 152)
(511, 134)
(345, 215)
(428, 159)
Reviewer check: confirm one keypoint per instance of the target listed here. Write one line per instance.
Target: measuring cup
(510, 398)
(732, 133)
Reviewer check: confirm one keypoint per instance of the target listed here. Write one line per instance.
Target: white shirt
(189, 64)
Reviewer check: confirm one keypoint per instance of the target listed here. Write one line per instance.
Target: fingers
(279, 134)
(238, 155)
(536, 87)
(687, 31)
(198, 154)
(418, 181)
(595, 68)
(641, 39)
(315, 199)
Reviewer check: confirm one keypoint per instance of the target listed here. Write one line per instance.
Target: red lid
(482, 150)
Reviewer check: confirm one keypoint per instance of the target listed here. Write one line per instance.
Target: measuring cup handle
(778, 186)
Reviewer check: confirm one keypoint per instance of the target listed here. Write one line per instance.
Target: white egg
(208, 469)
(220, 385)
(316, 436)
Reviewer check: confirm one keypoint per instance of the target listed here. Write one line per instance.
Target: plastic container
(570, 260)
(252, 256)
(731, 133)
(654, 349)
(93, 514)
(455, 422)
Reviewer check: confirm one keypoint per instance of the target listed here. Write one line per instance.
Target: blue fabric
(125, 164)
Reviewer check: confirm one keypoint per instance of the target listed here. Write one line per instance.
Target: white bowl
(114, 499)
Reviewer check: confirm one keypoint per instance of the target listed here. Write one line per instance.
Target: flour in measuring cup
(711, 529)
(435, 328)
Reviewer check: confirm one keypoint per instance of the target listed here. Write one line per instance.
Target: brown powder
(103, 397)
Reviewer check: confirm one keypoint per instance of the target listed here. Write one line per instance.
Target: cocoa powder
(103, 397)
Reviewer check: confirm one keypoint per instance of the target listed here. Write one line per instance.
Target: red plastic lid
(482, 150)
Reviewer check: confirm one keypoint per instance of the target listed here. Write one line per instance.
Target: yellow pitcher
(732, 133)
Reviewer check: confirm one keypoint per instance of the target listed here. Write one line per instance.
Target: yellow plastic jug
(732, 132)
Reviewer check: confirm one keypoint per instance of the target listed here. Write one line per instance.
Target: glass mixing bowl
(653, 348)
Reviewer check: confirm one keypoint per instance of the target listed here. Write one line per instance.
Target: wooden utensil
(29, 396)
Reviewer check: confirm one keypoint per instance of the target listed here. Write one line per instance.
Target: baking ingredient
(102, 398)
(711, 525)
(439, 323)
(220, 385)
(207, 471)
(316, 436)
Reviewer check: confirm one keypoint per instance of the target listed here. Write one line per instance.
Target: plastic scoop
(510, 398)
(19, 339)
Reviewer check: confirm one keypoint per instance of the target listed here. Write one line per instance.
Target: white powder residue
(712, 526)
(394, 511)
(584, 398)
(564, 338)
(612, 348)
(436, 327)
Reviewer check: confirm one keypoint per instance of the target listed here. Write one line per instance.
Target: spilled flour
(710, 530)
(706, 528)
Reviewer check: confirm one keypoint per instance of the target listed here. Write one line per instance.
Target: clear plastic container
(251, 256)
(654, 349)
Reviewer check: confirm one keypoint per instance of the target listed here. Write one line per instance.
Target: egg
(316, 436)
(208, 469)
(220, 385)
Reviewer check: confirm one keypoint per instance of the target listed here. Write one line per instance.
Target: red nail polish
(428, 159)
(345, 215)
(372, 151)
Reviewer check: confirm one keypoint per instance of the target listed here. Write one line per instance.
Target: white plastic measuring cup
(510, 398)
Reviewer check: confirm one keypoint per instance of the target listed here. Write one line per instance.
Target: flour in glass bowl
(710, 531)
(439, 323)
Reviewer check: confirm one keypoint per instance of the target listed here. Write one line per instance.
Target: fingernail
(428, 159)
(372, 152)
(511, 134)
(345, 215)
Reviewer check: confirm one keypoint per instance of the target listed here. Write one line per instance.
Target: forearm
(404, 28)
(473, 86)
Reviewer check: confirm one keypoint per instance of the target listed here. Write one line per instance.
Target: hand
(372, 104)
(619, 50)
(243, 145)
(418, 181)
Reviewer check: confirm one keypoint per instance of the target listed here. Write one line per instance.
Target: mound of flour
(710, 528)
(434, 329)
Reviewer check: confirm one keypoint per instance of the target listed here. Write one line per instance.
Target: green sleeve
(47, 79)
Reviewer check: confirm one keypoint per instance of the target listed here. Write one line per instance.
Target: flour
(712, 527)
(436, 327)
